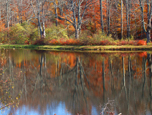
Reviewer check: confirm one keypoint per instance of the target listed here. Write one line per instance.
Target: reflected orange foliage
(3, 61)
(142, 54)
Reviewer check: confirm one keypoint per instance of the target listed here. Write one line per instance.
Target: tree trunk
(56, 14)
(43, 33)
(128, 17)
(39, 25)
(7, 11)
(108, 17)
(123, 67)
(101, 16)
(103, 73)
(43, 23)
(121, 19)
(76, 33)
(148, 33)
(38, 17)
(149, 12)
(142, 16)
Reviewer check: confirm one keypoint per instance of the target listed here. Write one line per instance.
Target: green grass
(79, 48)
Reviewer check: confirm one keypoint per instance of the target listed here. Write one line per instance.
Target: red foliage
(26, 42)
(132, 42)
(123, 43)
(71, 42)
(142, 54)
(142, 42)
(63, 41)
(105, 42)
(53, 42)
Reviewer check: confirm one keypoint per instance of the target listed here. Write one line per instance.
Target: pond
(66, 83)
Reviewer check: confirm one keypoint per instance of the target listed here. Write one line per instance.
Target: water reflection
(61, 83)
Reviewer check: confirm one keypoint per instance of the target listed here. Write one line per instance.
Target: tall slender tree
(128, 17)
(121, 19)
(101, 16)
(149, 13)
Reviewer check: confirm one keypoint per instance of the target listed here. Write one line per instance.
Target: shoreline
(87, 48)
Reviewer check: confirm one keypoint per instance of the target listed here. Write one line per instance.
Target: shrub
(34, 35)
(18, 34)
(72, 42)
(56, 32)
(123, 42)
(53, 42)
(105, 42)
(100, 36)
(39, 42)
(142, 42)
(3, 36)
(132, 42)
(32, 32)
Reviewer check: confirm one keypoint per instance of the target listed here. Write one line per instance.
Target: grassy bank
(79, 48)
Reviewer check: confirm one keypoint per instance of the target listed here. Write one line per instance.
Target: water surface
(63, 83)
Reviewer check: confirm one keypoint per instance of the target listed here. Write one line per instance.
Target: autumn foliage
(141, 42)
(81, 42)
(22, 27)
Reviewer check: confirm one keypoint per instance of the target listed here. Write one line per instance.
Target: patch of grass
(79, 48)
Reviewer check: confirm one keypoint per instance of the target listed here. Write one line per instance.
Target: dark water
(62, 83)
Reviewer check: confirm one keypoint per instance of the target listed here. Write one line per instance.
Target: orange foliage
(53, 42)
(3, 61)
(106, 42)
(142, 42)
(142, 54)
(62, 41)
(2, 26)
(26, 42)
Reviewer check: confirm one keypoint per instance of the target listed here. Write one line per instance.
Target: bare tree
(109, 3)
(38, 10)
(101, 16)
(7, 13)
(149, 13)
(76, 13)
(128, 17)
(121, 19)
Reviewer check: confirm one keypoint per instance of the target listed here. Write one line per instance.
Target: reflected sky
(59, 110)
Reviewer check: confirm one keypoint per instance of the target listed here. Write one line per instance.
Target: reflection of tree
(80, 81)
(77, 93)
(103, 78)
(149, 79)
(9, 97)
(144, 74)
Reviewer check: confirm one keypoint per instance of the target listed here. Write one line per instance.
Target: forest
(74, 21)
